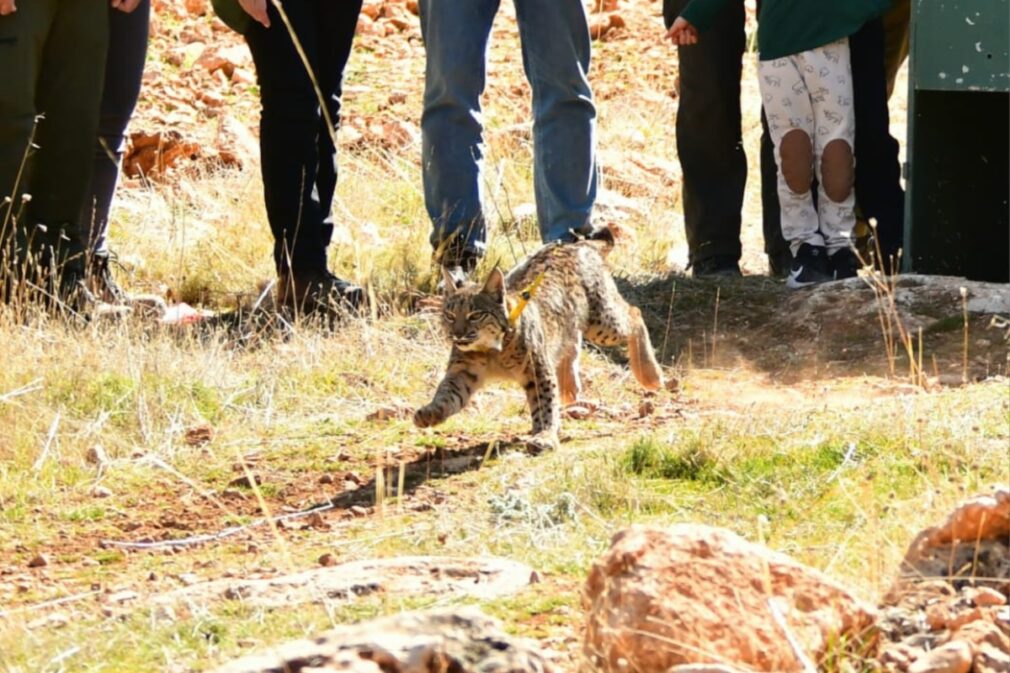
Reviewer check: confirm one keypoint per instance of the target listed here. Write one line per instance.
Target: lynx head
(475, 317)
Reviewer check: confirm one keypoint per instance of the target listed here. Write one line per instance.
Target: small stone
(152, 576)
(646, 408)
(246, 481)
(987, 597)
(326, 479)
(90, 562)
(957, 621)
(672, 385)
(40, 561)
(327, 560)
(101, 492)
(246, 643)
(358, 511)
(954, 657)
(937, 616)
(991, 659)
(122, 596)
(96, 456)
(355, 477)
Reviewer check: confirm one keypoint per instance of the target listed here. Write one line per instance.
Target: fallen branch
(214, 537)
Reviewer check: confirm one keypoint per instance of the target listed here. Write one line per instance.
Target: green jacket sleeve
(702, 13)
(232, 14)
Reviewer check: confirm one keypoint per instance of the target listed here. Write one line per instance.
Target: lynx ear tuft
(495, 285)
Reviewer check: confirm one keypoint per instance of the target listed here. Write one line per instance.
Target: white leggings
(808, 101)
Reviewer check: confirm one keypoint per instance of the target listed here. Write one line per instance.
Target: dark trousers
(124, 70)
(52, 59)
(878, 171)
(710, 143)
(299, 159)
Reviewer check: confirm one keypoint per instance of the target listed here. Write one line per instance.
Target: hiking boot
(810, 266)
(844, 264)
(319, 292)
(102, 283)
(716, 266)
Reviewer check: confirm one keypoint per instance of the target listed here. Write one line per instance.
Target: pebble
(954, 657)
(987, 597)
(40, 561)
(101, 492)
(327, 560)
(96, 455)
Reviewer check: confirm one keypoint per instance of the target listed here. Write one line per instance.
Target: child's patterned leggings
(808, 100)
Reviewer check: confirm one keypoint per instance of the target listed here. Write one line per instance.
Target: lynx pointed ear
(495, 285)
(449, 283)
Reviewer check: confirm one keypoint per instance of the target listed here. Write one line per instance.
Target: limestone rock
(694, 594)
(976, 534)
(462, 641)
(954, 657)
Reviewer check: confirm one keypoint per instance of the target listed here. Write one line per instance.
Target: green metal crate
(958, 181)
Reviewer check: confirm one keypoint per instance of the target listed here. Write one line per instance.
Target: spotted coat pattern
(576, 299)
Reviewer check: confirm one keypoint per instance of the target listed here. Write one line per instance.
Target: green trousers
(52, 66)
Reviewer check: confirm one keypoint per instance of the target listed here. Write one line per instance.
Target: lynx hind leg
(618, 322)
(569, 384)
(640, 353)
(541, 385)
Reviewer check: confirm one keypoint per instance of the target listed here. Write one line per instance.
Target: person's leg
(124, 70)
(556, 51)
(791, 126)
(289, 138)
(828, 77)
(896, 27)
(335, 26)
(68, 94)
(456, 34)
(878, 169)
(709, 141)
(776, 246)
(22, 40)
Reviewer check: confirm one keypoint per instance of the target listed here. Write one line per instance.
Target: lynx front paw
(427, 416)
(542, 441)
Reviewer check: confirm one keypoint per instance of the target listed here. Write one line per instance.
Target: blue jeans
(555, 50)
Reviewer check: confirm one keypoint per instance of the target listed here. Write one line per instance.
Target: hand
(257, 9)
(125, 6)
(682, 32)
(7, 7)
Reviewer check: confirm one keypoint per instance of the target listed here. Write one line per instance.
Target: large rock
(952, 588)
(695, 594)
(975, 534)
(463, 641)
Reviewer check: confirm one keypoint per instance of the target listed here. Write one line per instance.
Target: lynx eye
(473, 315)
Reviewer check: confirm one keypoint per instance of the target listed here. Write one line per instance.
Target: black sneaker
(844, 264)
(716, 266)
(810, 266)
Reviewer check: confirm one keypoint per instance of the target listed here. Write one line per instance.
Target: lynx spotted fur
(576, 299)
